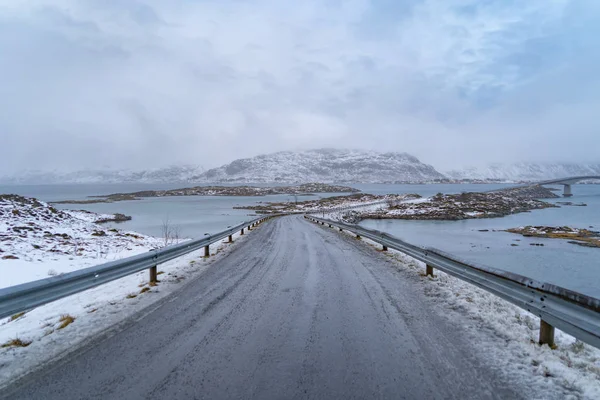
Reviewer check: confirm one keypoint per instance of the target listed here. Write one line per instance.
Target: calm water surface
(192, 215)
(558, 262)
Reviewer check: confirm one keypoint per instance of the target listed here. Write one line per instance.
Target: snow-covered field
(573, 368)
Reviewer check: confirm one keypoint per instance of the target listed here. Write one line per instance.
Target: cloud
(133, 84)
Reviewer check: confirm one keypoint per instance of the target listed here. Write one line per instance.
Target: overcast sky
(135, 84)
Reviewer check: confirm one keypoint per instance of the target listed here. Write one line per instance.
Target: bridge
(567, 182)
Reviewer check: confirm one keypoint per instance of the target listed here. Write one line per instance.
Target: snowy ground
(94, 311)
(38, 241)
(573, 367)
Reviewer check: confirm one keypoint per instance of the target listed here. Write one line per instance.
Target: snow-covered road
(296, 311)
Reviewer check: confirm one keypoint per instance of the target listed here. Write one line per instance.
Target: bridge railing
(24, 297)
(574, 313)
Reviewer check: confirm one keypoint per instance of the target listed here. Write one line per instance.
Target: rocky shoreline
(243, 191)
(580, 237)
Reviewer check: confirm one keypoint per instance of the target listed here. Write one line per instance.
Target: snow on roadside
(508, 334)
(94, 311)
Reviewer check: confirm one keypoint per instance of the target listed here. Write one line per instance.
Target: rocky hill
(38, 240)
(525, 172)
(324, 165)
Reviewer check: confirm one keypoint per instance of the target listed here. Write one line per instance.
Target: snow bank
(94, 311)
(508, 335)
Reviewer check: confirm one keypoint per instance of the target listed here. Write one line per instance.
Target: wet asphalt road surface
(297, 311)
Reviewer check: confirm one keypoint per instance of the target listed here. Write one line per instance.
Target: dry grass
(65, 321)
(153, 284)
(17, 316)
(131, 296)
(144, 290)
(16, 343)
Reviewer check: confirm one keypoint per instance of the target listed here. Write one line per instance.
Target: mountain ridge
(323, 165)
(525, 171)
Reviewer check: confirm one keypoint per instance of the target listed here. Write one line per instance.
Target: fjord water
(483, 241)
(557, 262)
(192, 216)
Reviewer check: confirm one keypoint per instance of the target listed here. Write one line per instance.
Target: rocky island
(471, 205)
(300, 190)
(581, 237)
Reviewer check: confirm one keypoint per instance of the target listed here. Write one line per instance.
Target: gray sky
(135, 84)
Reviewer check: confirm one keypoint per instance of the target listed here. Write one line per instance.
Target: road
(297, 311)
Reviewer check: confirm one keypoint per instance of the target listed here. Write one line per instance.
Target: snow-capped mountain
(520, 172)
(323, 165)
(172, 174)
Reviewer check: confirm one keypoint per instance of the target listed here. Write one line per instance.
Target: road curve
(296, 312)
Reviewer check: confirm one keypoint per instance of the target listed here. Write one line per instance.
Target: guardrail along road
(295, 312)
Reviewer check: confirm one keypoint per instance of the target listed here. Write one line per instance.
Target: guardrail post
(242, 232)
(384, 248)
(341, 230)
(358, 237)
(330, 225)
(546, 333)
(153, 274)
(428, 270)
(206, 251)
(230, 238)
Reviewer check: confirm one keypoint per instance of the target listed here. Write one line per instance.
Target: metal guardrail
(569, 311)
(15, 299)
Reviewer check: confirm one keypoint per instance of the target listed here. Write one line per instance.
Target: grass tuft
(17, 316)
(16, 343)
(152, 284)
(131, 296)
(65, 321)
(144, 290)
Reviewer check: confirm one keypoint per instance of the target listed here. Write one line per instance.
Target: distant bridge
(567, 182)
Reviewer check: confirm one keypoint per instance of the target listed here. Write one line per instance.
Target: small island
(581, 237)
(468, 205)
(242, 191)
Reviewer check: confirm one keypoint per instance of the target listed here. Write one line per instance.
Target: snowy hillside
(324, 165)
(526, 171)
(37, 240)
(172, 174)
